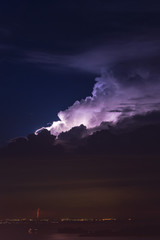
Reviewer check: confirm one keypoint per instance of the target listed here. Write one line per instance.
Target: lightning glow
(109, 102)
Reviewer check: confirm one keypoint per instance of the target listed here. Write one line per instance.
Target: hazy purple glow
(110, 101)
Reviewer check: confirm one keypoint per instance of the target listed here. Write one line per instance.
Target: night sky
(93, 66)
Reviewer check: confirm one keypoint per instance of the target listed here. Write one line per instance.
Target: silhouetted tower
(38, 213)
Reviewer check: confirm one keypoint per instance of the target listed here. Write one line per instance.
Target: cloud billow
(111, 101)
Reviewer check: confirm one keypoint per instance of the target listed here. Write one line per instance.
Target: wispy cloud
(99, 58)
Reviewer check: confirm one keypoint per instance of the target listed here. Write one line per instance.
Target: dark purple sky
(50, 54)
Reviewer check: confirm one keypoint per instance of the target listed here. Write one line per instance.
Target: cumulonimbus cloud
(129, 86)
(110, 101)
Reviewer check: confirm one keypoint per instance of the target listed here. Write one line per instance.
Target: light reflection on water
(76, 237)
(67, 237)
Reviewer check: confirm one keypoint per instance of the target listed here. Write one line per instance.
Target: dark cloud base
(114, 172)
(139, 134)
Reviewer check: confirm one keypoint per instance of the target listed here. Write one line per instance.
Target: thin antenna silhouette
(38, 213)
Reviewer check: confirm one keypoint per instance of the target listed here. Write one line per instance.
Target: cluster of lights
(20, 220)
(87, 219)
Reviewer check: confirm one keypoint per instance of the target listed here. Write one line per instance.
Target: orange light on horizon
(38, 213)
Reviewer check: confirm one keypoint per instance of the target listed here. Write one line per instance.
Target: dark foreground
(128, 230)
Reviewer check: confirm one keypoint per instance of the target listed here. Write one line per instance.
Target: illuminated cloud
(111, 101)
(128, 85)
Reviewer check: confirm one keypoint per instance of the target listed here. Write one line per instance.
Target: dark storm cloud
(139, 134)
(73, 135)
(40, 145)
